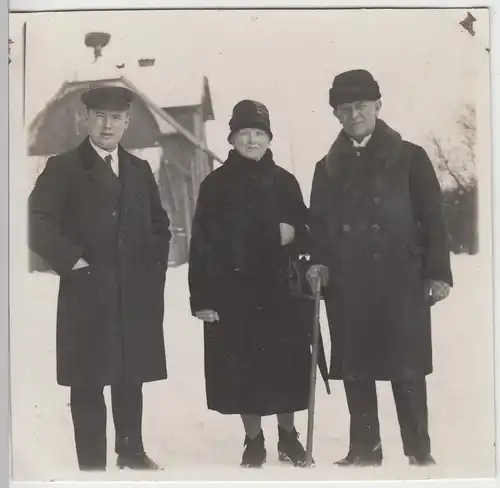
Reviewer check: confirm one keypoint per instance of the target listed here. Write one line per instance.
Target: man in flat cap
(380, 250)
(96, 218)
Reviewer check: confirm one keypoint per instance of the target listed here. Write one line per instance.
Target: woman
(250, 222)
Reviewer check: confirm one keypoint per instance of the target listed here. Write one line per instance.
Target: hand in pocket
(81, 263)
(207, 315)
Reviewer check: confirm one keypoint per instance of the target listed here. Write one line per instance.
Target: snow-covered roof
(168, 88)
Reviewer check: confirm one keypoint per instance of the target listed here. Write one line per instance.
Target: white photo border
(52, 5)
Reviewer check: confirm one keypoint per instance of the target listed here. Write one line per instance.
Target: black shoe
(290, 450)
(255, 454)
(359, 461)
(421, 460)
(137, 461)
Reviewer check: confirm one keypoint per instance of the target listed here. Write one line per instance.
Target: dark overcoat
(257, 356)
(377, 223)
(110, 314)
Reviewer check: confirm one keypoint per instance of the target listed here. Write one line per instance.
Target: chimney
(144, 62)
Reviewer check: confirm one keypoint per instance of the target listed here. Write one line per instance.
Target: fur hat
(354, 85)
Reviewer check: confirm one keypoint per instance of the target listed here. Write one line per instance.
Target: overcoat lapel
(381, 152)
(97, 169)
(130, 176)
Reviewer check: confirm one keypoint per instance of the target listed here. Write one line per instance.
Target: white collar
(103, 152)
(363, 143)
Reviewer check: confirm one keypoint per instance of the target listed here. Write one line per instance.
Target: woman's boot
(254, 455)
(290, 449)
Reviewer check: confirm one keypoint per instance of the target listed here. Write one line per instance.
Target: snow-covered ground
(193, 443)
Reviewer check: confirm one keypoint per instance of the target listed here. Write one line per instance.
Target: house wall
(183, 169)
(183, 115)
(175, 185)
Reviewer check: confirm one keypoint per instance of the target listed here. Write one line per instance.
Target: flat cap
(108, 98)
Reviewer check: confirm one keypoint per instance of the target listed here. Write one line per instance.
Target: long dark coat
(377, 223)
(257, 356)
(110, 314)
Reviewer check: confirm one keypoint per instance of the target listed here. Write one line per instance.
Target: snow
(193, 443)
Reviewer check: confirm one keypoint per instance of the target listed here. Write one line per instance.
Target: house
(167, 130)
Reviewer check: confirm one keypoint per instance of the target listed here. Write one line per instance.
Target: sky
(427, 66)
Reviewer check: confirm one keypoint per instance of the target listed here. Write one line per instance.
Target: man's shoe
(290, 449)
(421, 460)
(255, 454)
(359, 461)
(139, 461)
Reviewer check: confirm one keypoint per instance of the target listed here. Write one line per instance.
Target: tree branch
(445, 162)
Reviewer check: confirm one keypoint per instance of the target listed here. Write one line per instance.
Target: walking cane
(314, 365)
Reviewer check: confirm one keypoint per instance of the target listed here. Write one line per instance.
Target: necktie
(108, 160)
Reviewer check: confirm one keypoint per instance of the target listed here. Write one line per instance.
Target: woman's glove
(287, 233)
(315, 272)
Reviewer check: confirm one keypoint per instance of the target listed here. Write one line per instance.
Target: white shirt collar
(103, 153)
(363, 143)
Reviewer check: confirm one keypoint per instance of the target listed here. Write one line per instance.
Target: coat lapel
(97, 169)
(380, 154)
(130, 176)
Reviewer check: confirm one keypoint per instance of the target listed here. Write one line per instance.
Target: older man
(97, 219)
(380, 249)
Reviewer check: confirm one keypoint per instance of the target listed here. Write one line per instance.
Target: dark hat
(350, 86)
(250, 114)
(108, 98)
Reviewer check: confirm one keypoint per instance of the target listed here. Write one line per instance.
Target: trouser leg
(88, 411)
(411, 406)
(127, 416)
(364, 423)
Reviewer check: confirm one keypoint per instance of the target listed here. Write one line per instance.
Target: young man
(380, 248)
(96, 217)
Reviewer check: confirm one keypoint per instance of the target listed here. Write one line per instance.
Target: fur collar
(384, 147)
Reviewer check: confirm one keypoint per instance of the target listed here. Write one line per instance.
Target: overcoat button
(346, 228)
(115, 213)
(377, 200)
(377, 256)
(376, 227)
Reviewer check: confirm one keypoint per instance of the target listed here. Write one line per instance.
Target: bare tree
(444, 163)
(458, 159)
(456, 165)
(467, 122)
